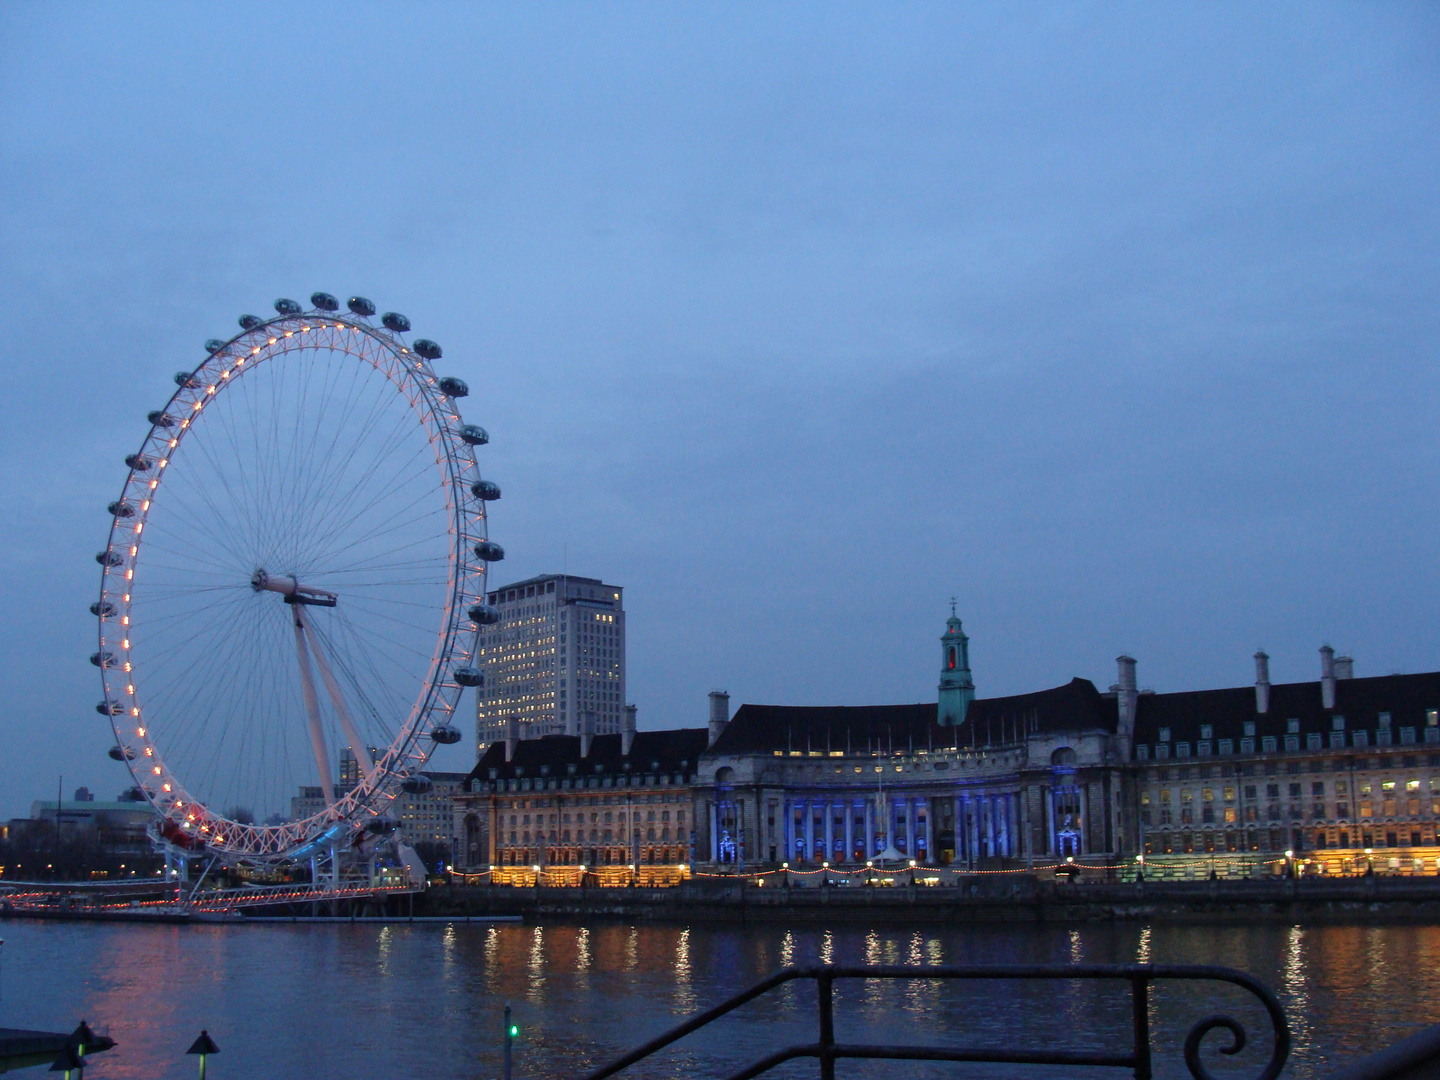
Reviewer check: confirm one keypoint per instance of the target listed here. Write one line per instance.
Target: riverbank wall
(1367, 899)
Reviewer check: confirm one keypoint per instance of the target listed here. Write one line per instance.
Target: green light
(514, 1030)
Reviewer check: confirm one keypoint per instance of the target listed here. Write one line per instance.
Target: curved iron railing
(1139, 976)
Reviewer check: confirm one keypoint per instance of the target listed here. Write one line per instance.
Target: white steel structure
(296, 564)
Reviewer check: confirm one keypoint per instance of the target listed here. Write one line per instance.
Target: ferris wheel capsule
(484, 615)
(452, 387)
(474, 434)
(485, 490)
(489, 551)
(301, 531)
(120, 752)
(426, 348)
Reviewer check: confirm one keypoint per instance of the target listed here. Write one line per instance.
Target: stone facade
(1333, 766)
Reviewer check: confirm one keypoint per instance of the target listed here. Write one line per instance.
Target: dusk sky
(1118, 324)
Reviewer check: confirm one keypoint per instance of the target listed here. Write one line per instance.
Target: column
(1002, 803)
(786, 829)
(1047, 796)
(869, 828)
(959, 826)
(809, 829)
(849, 805)
(829, 829)
(910, 827)
(715, 831)
(922, 803)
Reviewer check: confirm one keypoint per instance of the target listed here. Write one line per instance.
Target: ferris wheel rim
(438, 696)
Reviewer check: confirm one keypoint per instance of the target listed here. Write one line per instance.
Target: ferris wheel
(293, 584)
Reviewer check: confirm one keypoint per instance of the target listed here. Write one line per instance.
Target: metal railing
(1139, 977)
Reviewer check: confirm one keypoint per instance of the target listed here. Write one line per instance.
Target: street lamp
(825, 873)
(1140, 867)
(1290, 861)
(203, 1046)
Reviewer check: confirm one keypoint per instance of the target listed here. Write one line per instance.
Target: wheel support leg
(312, 710)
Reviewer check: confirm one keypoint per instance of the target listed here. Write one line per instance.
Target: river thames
(402, 1000)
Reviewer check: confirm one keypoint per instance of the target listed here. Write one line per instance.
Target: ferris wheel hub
(292, 590)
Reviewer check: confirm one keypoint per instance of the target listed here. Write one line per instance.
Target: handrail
(1139, 976)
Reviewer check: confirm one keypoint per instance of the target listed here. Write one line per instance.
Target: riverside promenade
(1020, 898)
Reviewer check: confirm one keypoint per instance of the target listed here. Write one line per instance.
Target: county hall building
(1320, 770)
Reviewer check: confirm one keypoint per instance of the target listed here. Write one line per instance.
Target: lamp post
(870, 868)
(1290, 862)
(825, 873)
(69, 1061)
(204, 1046)
(1140, 868)
(785, 874)
(511, 1030)
(912, 873)
(1369, 862)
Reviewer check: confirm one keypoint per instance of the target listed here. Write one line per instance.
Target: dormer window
(1292, 726)
(1249, 729)
(1164, 734)
(1207, 731)
(1337, 723)
(1384, 720)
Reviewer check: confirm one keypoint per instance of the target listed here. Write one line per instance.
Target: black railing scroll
(827, 1050)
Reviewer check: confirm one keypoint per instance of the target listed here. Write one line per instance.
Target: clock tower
(957, 689)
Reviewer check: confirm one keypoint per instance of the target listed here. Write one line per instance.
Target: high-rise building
(555, 660)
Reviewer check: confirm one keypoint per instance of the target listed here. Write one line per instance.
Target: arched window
(950, 659)
(1063, 757)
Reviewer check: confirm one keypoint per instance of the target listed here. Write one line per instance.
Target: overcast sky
(1119, 324)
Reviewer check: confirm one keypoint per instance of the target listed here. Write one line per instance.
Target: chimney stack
(1327, 677)
(1126, 699)
(512, 736)
(1344, 667)
(587, 732)
(1262, 682)
(627, 731)
(719, 713)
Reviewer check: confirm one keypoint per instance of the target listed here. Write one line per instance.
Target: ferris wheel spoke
(365, 479)
(363, 461)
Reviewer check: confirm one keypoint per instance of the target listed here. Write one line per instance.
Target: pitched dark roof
(677, 750)
(1360, 701)
(1075, 706)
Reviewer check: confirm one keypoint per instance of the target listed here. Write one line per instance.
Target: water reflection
(582, 951)
(536, 965)
(334, 1000)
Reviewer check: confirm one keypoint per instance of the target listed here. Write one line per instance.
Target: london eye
(295, 568)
